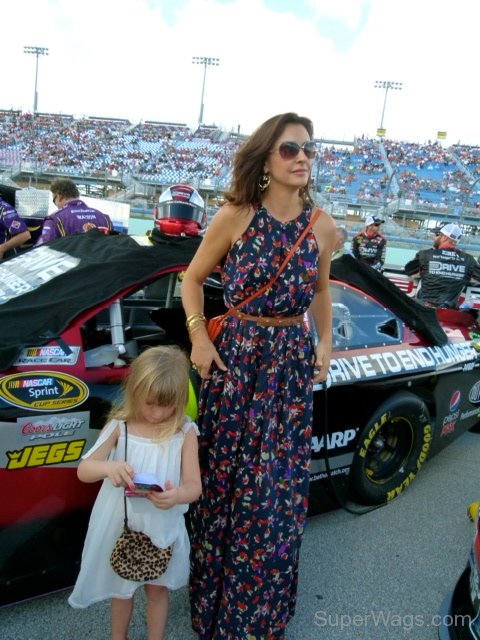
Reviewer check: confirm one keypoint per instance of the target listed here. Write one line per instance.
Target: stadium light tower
(207, 62)
(36, 51)
(387, 84)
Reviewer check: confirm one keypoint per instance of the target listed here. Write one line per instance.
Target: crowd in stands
(429, 175)
(149, 151)
(357, 171)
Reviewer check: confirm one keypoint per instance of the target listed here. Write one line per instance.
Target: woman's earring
(264, 182)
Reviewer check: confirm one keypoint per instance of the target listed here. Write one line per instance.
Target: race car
(460, 609)
(403, 383)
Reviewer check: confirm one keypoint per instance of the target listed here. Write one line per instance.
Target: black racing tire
(391, 449)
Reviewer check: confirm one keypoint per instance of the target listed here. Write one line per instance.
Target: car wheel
(391, 449)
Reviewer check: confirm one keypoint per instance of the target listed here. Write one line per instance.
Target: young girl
(161, 440)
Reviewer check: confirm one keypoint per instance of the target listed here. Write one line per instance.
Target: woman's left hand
(322, 362)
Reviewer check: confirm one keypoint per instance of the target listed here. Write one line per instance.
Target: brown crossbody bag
(215, 324)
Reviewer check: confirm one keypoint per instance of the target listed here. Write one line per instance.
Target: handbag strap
(286, 260)
(125, 519)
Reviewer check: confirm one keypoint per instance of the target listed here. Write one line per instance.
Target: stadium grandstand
(415, 187)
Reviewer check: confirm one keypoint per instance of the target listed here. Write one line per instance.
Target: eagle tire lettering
(392, 448)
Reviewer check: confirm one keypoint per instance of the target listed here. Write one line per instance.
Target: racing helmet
(180, 211)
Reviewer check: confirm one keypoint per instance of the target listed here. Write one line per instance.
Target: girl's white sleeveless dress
(97, 580)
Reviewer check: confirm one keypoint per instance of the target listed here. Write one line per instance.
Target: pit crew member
(73, 215)
(369, 245)
(444, 270)
(13, 230)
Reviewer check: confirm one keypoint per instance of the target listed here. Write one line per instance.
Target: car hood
(44, 289)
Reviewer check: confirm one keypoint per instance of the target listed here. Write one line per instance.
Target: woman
(256, 399)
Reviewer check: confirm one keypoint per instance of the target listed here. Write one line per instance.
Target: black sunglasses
(290, 149)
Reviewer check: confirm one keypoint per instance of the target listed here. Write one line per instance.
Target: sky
(320, 58)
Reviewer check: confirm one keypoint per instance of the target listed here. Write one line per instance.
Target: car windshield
(360, 322)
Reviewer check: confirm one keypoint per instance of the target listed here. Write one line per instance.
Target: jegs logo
(42, 455)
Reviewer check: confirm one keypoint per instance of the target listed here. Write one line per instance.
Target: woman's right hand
(204, 354)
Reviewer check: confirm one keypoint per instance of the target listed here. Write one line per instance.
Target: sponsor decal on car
(43, 390)
(470, 414)
(45, 440)
(450, 420)
(34, 356)
(32, 269)
(42, 455)
(448, 426)
(387, 363)
(474, 395)
(455, 400)
(322, 475)
(51, 427)
(335, 440)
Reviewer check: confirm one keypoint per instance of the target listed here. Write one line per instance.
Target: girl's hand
(165, 499)
(120, 474)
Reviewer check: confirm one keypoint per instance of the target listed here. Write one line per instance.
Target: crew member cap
(373, 220)
(452, 231)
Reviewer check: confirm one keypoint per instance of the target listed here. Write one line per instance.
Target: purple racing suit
(72, 219)
(11, 224)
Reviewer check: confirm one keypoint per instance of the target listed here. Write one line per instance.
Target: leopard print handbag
(134, 556)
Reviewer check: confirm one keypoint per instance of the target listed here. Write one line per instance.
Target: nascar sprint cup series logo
(43, 390)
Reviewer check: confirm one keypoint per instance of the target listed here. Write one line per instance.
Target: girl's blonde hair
(159, 374)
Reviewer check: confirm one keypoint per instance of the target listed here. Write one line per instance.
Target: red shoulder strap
(286, 260)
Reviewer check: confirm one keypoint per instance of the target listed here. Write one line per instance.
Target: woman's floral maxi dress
(255, 430)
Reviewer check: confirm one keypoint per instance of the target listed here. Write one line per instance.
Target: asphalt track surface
(379, 576)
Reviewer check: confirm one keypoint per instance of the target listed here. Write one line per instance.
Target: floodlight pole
(36, 51)
(387, 191)
(387, 84)
(207, 62)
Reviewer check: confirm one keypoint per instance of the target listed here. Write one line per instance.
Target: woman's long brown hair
(249, 161)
